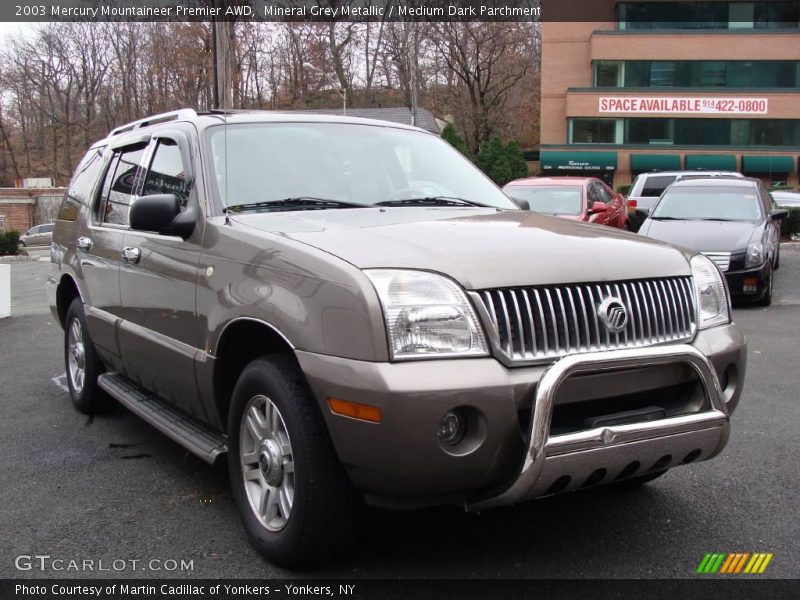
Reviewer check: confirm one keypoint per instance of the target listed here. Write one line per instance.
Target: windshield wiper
(432, 201)
(296, 203)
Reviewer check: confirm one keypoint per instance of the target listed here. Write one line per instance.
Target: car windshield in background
(786, 199)
(265, 163)
(553, 200)
(708, 204)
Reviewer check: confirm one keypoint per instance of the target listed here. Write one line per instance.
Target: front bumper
(757, 281)
(400, 463)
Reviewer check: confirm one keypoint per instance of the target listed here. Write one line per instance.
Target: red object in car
(577, 198)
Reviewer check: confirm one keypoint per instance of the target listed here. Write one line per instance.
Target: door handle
(84, 243)
(131, 254)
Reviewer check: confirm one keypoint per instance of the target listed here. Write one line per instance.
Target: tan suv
(351, 312)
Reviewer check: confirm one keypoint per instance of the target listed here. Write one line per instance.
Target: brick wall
(22, 208)
(17, 216)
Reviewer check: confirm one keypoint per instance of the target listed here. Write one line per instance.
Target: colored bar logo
(734, 563)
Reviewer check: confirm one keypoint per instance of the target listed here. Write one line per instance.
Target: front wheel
(293, 496)
(767, 299)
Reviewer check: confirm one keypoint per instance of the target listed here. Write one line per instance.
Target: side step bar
(190, 434)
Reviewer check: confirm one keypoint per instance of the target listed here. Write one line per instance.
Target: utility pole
(223, 58)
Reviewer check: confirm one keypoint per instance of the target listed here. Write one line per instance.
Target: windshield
(706, 203)
(552, 200)
(359, 164)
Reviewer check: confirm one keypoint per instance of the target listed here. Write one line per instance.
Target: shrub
(624, 189)
(450, 135)
(501, 162)
(9, 243)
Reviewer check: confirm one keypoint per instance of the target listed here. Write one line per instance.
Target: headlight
(710, 293)
(755, 255)
(427, 315)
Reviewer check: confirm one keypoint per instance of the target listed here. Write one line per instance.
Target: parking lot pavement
(111, 487)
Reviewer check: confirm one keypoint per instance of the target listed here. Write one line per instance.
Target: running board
(189, 433)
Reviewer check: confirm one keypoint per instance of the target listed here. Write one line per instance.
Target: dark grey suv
(351, 312)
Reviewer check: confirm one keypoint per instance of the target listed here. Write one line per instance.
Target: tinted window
(709, 203)
(654, 186)
(46, 229)
(167, 174)
(120, 185)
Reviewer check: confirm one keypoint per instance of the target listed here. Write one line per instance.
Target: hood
(702, 236)
(479, 248)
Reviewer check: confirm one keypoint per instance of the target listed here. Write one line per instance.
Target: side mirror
(779, 214)
(598, 207)
(521, 203)
(161, 213)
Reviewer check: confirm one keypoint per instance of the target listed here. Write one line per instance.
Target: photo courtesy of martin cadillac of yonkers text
(385, 297)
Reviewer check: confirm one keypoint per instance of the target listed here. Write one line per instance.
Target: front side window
(167, 174)
(119, 185)
(550, 200)
(709, 204)
(364, 164)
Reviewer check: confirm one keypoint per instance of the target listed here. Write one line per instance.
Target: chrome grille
(721, 259)
(543, 323)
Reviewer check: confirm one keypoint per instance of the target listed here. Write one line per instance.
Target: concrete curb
(22, 258)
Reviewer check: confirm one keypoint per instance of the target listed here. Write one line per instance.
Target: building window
(702, 74)
(650, 131)
(2, 223)
(762, 14)
(594, 131)
(609, 73)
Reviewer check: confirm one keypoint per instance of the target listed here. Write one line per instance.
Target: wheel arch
(240, 342)
(66, 292)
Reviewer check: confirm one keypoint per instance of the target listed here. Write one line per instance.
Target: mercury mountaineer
(350, 312)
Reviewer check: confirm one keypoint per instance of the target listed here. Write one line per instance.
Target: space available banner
(684, 105)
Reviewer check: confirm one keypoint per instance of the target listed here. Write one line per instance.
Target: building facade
(659, 86)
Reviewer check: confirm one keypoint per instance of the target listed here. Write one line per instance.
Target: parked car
(787, 199)
(390, 330)
(40, 235)
(648, 187)
(576, 198)
(732, 221)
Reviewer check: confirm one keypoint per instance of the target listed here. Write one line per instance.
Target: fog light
(750, 285)
(452, 428)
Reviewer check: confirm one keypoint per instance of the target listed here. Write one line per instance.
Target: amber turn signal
(362, 412)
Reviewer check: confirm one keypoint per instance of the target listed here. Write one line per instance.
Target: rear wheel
(293, 496)
(777, 259)
(83, 365)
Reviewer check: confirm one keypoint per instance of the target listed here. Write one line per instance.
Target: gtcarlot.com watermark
(48, 563)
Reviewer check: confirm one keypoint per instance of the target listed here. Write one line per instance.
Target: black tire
(777, 259)
(87, 396)
(635, 482)
(324, 516)
(767, 299)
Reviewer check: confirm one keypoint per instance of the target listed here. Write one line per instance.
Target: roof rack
(184, 113)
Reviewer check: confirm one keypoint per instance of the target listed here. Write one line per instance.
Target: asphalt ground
(112, 487)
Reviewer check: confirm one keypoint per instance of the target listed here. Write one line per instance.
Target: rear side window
(119, 185)
(82, 185)
(46, 229)
(167, 174)
(655, 185)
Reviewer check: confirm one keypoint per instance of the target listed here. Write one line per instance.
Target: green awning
(711, 162)
(577, 162)
(767, 164)
(642, 163)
